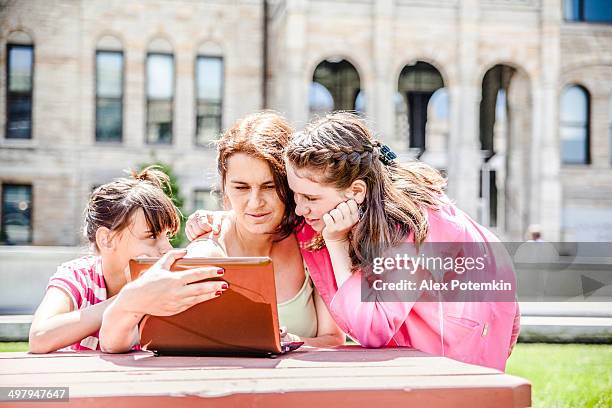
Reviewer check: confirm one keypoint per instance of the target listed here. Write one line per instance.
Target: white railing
(25, 271)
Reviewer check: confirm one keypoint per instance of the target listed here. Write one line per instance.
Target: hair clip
(387, 155)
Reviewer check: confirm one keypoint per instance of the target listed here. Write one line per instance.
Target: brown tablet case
(243, 320)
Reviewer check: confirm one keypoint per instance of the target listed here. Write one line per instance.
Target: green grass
(565, 375)
(21, 346)
(561, 375)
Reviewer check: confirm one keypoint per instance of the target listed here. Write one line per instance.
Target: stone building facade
(482, 83)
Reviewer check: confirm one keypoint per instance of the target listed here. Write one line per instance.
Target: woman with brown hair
(262, 222)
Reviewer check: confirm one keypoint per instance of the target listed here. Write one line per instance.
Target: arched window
(341, 81)
(20, 85)
(160, 92)
(109, 90)
(417, 83)
(494, 106)
(574, 126)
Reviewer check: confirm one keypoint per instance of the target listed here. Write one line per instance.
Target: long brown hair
(113, 204)
(262, 135)
(339, 149)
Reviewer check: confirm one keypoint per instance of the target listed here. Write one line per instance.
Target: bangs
(159, 211)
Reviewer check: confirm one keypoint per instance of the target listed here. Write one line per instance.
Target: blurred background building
(512, 99)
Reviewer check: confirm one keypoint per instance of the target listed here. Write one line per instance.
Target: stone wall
(62, 161)
(462, 39)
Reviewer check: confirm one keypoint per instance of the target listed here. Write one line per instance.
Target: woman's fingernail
(218, 293)
(220, 271)
(224, 286)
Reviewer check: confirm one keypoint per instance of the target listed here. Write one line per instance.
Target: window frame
(121, 99)
(580, 6)
(3, 241)
(147, 99)
(587, 126)
(204, 101)
(8, 94)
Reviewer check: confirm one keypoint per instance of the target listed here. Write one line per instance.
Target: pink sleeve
(65, 278)
(372, 323)
(516, 328)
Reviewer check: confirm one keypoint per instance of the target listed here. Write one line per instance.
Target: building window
(209, 98)
(16, 214)
(574, 126)
(109, 96)
(206, 200)
(335, 84)
(594, 11)
(160, 97)
(417, 83)
(20, 74)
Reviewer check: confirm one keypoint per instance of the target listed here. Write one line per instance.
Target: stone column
(464, 146)
(535, 155)
(550, 163)
(296, 79)
(380, 99)
(600, 133)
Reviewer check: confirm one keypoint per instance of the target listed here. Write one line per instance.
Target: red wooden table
(340, 377)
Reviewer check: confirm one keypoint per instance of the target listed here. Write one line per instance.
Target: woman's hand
(204, 222)
(160, 292)
(339, 221)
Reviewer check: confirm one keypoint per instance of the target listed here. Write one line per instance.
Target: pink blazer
(481, 333)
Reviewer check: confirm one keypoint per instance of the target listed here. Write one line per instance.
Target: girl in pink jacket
(359, 204)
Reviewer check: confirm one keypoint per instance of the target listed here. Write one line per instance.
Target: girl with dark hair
(124, 219)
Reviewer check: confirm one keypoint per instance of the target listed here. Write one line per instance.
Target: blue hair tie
(387, 155)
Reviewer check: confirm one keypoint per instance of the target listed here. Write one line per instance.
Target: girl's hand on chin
(340, 221)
